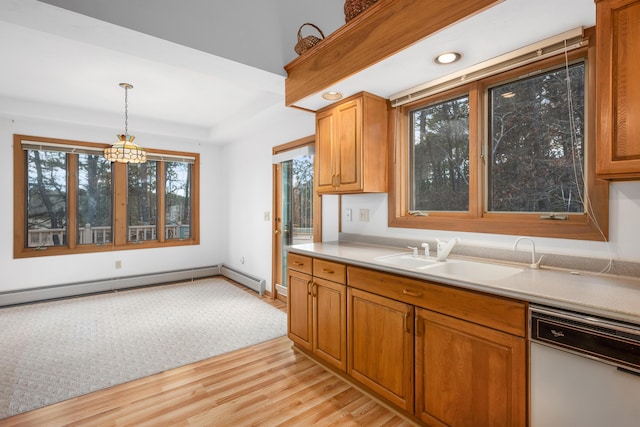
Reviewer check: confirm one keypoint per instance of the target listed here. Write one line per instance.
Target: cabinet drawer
(329, 270)
(495, 312)
(299, 263)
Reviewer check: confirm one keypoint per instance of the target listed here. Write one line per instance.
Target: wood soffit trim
(386, 28)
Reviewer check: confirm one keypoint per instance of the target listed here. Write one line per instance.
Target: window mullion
(119, 171)
(475, 145)
(72, 200)
(161, 187)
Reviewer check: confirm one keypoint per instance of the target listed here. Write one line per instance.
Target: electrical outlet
(118, 264)
(347, 215)
(364, 215)
(267, 215)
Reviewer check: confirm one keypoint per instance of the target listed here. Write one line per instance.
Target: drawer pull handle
(407, 324)
(326, 270)
(298, 263)
(557, 334)
(411, 293)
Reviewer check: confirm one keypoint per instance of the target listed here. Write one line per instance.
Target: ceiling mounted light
(332, 96)
(125, 150)
(447, 58)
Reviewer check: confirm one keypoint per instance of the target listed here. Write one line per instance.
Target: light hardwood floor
(269, 384)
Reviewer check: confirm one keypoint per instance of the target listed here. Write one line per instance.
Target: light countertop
(597, 294)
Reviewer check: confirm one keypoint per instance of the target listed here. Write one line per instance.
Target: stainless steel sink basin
(407, 260)
(470, 270)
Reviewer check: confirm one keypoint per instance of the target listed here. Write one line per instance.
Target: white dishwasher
(584, 370)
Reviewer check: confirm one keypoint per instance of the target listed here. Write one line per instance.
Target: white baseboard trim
(282, 290)
(252, 282)
(106, 285)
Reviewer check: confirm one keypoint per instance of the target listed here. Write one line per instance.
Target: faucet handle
(414, 249)
(426, 249)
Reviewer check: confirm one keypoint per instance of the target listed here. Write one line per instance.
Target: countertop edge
(486, 287)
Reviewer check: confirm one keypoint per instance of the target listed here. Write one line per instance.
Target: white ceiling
(65, 66)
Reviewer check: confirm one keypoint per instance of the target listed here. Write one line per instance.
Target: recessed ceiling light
(447, 58)
(332, 96)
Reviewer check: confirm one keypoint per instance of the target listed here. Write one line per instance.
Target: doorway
(296, 207)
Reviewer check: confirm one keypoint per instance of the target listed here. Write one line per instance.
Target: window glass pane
(46, 198)
(177, 200)
(536, 143)
(142, 205)
(94, 200)
(439, 156)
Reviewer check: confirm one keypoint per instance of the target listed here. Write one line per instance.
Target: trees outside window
(94, 200)
(177, 200)
(440, 156)
(536, 142)
(46, 199)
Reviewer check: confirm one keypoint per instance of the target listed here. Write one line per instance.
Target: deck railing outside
(88, 235)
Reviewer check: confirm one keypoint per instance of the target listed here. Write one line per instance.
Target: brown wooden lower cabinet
(329, 320)
(317, 314)
(467, 374)
(299, 308)
(444, 355)
(380, 346)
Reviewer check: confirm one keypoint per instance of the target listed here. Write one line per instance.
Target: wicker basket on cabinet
(353, 8)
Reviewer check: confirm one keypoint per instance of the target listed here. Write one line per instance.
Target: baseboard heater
(106, 285)
(245, 279)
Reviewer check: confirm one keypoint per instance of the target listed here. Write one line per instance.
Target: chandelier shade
(125, 150)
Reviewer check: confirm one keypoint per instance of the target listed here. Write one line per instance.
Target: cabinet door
(330, 322)
(618, 88)
(468, 375)
(348, 155)
(299, 308)
(380, 345)
(324, 162)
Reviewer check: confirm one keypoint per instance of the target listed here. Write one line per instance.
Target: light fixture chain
(126, 110)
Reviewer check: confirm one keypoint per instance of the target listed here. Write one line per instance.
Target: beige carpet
(53, 351)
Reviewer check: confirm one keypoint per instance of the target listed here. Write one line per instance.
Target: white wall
(624, 227)
(44, 271)
(248, 180)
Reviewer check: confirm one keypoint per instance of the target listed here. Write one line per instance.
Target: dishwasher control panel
(607, 340)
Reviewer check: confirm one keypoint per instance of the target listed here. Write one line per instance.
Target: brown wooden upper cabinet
(351, 146)
(618, 89)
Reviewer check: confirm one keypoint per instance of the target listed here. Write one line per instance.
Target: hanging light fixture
(125, 150)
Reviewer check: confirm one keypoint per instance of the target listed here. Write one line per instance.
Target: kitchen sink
(407, 260)
(462, 269)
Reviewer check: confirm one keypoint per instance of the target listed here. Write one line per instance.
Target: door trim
(276, 246)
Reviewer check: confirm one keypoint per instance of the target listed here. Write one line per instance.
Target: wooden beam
(386, 28)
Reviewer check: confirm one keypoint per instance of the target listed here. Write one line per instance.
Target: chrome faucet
(533, 264)
(444, 248)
